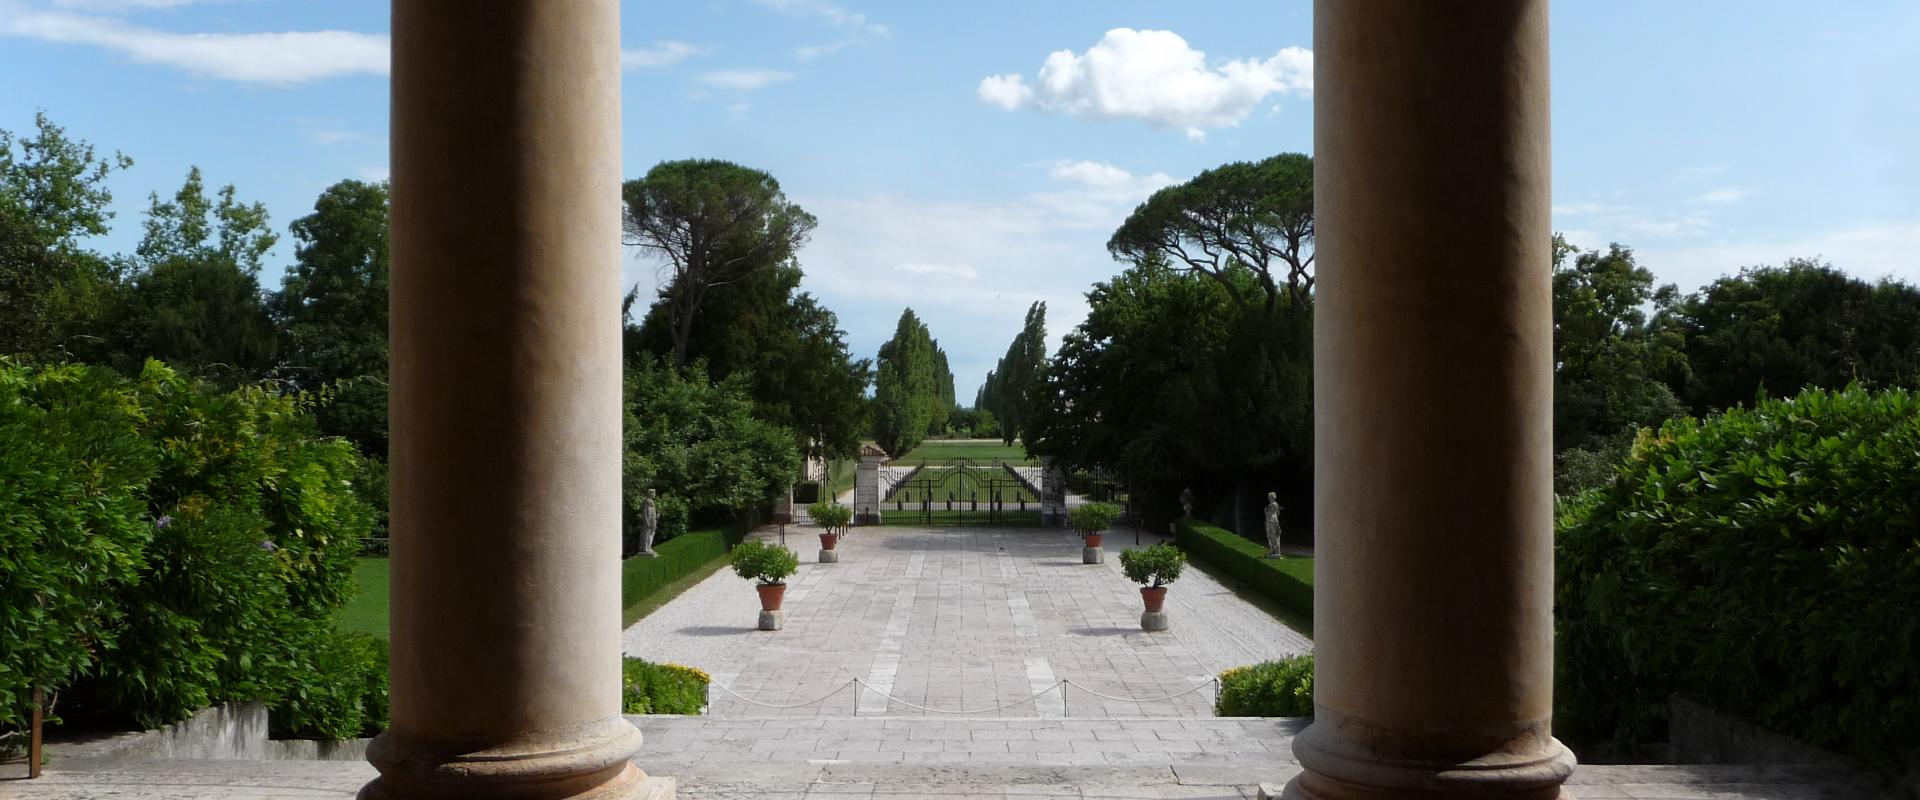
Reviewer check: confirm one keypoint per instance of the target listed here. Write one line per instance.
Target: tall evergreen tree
(1009, 389)
(904, 395)
(332, 311)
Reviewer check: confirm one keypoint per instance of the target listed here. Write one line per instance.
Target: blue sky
(968, 158)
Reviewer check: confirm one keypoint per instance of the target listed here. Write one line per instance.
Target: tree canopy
(1255, 215)
(907, 389)
(713, 223)
(331, 311)
(1011, 385)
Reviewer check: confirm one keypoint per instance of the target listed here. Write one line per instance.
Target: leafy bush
(1092, 517)
(346, 696)
(1281, 688)
(766, 563)
(832, 516)
(699, 444)
(1764, 561)
(194, 547)
(1288, 581)
(650, 688)
(1154, 566)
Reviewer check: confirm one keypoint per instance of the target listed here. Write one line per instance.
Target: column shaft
(1433, 404)
(506, 404)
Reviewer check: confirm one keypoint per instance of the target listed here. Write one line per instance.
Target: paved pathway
(960, 619)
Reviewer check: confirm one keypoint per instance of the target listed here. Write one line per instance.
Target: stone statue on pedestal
(649, 524)
(1186, 502)
(1273, 526)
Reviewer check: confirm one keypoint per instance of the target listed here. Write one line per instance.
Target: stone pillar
(866, 486)
(506, 405)
(1433, 399)
(1053, 493)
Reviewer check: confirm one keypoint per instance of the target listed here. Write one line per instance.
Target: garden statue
(1273, 526)
(649, 524)
(1186, 502)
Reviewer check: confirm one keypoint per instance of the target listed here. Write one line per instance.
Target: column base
(1335, 769)
(1092, 555)
(1154, 621)
(591, 762)
(773, 620)
(829, 556)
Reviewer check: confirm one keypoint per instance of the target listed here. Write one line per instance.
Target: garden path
(961, 618)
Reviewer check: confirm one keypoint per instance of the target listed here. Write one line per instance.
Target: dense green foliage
(1777, 330)
(331, 311)
(786, 347)
(1288, 581)
(698, 444)
(755, 560)
(1282, 688)
(1013, 385)
(713, 223)
(1765, 561)
(912, 389)
(55, 297)
(979, 453)
(1092, 517)
(1153, 567)
(650, 688)
(194, 547)
(1254, 216)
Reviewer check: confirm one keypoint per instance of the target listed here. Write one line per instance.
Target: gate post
(866, 486)
(1053, 493)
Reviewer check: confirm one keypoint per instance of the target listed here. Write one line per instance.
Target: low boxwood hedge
(1288, 581)
(1282, 688)
(650, 688)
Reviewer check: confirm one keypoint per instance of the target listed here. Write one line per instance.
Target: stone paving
(961, 619)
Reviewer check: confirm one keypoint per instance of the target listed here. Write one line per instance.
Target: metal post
(35, 745)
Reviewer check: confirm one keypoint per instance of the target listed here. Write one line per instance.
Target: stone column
(866, 486)
(1433, 399)
(506, 405)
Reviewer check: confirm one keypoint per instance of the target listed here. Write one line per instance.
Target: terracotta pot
(1154, 596)
(828, 540)
(770, 595)
(1094, 538)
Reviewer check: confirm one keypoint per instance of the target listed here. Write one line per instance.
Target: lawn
(942, 485)
(366, 612)
(979, 451)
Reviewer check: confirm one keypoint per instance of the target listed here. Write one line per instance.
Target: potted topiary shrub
(833, 520)
(1090, 520)
(770, 564)
(1153, 568)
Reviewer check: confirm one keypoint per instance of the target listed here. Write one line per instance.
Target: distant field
(979, 451)
(367, 611)
(944, 519)
(961, 486)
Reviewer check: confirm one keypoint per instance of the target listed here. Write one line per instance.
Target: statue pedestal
(772, 620)
(1276, 555)
(646, 554)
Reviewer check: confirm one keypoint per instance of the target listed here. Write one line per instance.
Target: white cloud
(962, 271)
(832, 14)
(273, 58)
(1722, 197)
(129, 5)
(1870, 250)
(744, 79)
(811, 52)
(1591, 224)
(661, 54)
(330, 136)
(1155, 77)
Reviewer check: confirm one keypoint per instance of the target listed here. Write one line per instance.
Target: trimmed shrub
(650, 688)
(1288, 581)
(1154, 566)
(1092, 517)
(763, 562)
(1763, 561)
(1281, 688)
(832, 516)
(685, 555)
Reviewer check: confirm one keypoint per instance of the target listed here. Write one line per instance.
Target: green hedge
(1288, 581)
(1282, 688)
(684, 555)
(1763, 561)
